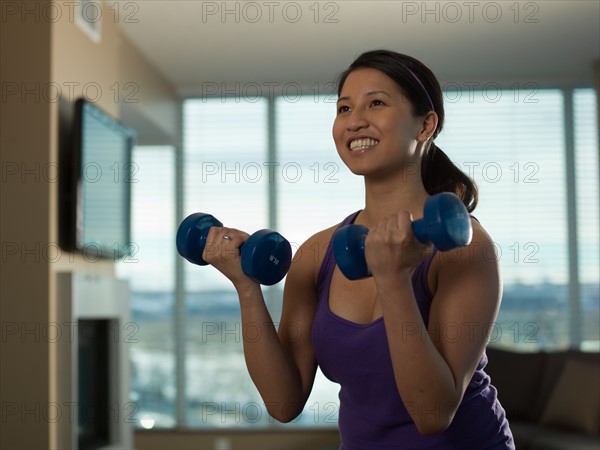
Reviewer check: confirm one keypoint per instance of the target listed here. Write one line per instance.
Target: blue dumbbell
(266, 255)
(446, 224)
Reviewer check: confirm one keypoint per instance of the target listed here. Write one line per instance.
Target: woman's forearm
(271, 368)
(423, 378)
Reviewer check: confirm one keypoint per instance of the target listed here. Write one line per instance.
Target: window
(151, 273)
(588, 228)
(255, 164)
(513, 146)
(225, 175)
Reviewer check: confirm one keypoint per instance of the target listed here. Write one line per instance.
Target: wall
(24, 223)
(44, 53)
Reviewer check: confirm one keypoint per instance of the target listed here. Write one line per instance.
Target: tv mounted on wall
(96, 175)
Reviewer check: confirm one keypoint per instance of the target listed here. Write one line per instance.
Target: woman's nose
(356, 121)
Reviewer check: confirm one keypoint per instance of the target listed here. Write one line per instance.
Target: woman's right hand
(222, 251)
(391, 247)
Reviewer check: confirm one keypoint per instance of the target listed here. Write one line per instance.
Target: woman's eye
(343, 109)
(376, 103)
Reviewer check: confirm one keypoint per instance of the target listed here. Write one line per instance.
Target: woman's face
(375, 131)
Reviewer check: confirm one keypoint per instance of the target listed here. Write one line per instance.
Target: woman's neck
(386, 197)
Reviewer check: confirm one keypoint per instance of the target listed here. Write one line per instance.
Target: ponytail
(440, 174)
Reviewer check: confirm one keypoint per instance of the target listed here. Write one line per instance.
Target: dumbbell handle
(419, 229)
(360, 231)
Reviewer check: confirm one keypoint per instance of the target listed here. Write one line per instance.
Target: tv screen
(98, 189)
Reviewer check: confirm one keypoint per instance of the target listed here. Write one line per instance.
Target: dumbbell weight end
(191, 236)
(446, 223)
(266, 257)
(349, 251)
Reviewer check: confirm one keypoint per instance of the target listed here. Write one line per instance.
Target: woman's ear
(429, 126)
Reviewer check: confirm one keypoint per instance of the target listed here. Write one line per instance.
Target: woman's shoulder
(482, 244)
(322, 235)
(480, 249)
(312, 251)
(321, 238)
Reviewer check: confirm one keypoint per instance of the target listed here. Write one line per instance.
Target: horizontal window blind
(151, 273)
(514, 147)
(588, 228)
(515, 152)
(225, 169)
(586, 160)
(152, 220)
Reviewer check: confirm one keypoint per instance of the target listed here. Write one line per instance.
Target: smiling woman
(383, 131)
(414, 387)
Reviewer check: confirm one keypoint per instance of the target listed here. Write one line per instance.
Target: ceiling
(203, 46)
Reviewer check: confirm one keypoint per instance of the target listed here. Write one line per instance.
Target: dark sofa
(552, 399)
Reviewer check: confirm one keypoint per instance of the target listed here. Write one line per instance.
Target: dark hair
(420, 86)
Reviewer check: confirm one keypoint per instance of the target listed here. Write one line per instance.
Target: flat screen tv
(96, 176)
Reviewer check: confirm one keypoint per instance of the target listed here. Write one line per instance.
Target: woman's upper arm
(299, 307)
(465, 304)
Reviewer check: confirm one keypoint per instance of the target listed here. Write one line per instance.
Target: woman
(407, 345)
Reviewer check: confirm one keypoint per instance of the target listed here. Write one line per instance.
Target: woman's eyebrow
(377, 92)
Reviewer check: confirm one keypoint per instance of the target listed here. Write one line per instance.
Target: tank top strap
(328, 264)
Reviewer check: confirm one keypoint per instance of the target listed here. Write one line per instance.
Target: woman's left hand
(392, 248)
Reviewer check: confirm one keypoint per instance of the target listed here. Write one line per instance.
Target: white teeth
(362, 144)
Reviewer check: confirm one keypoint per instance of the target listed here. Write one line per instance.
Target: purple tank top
(372, 415)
